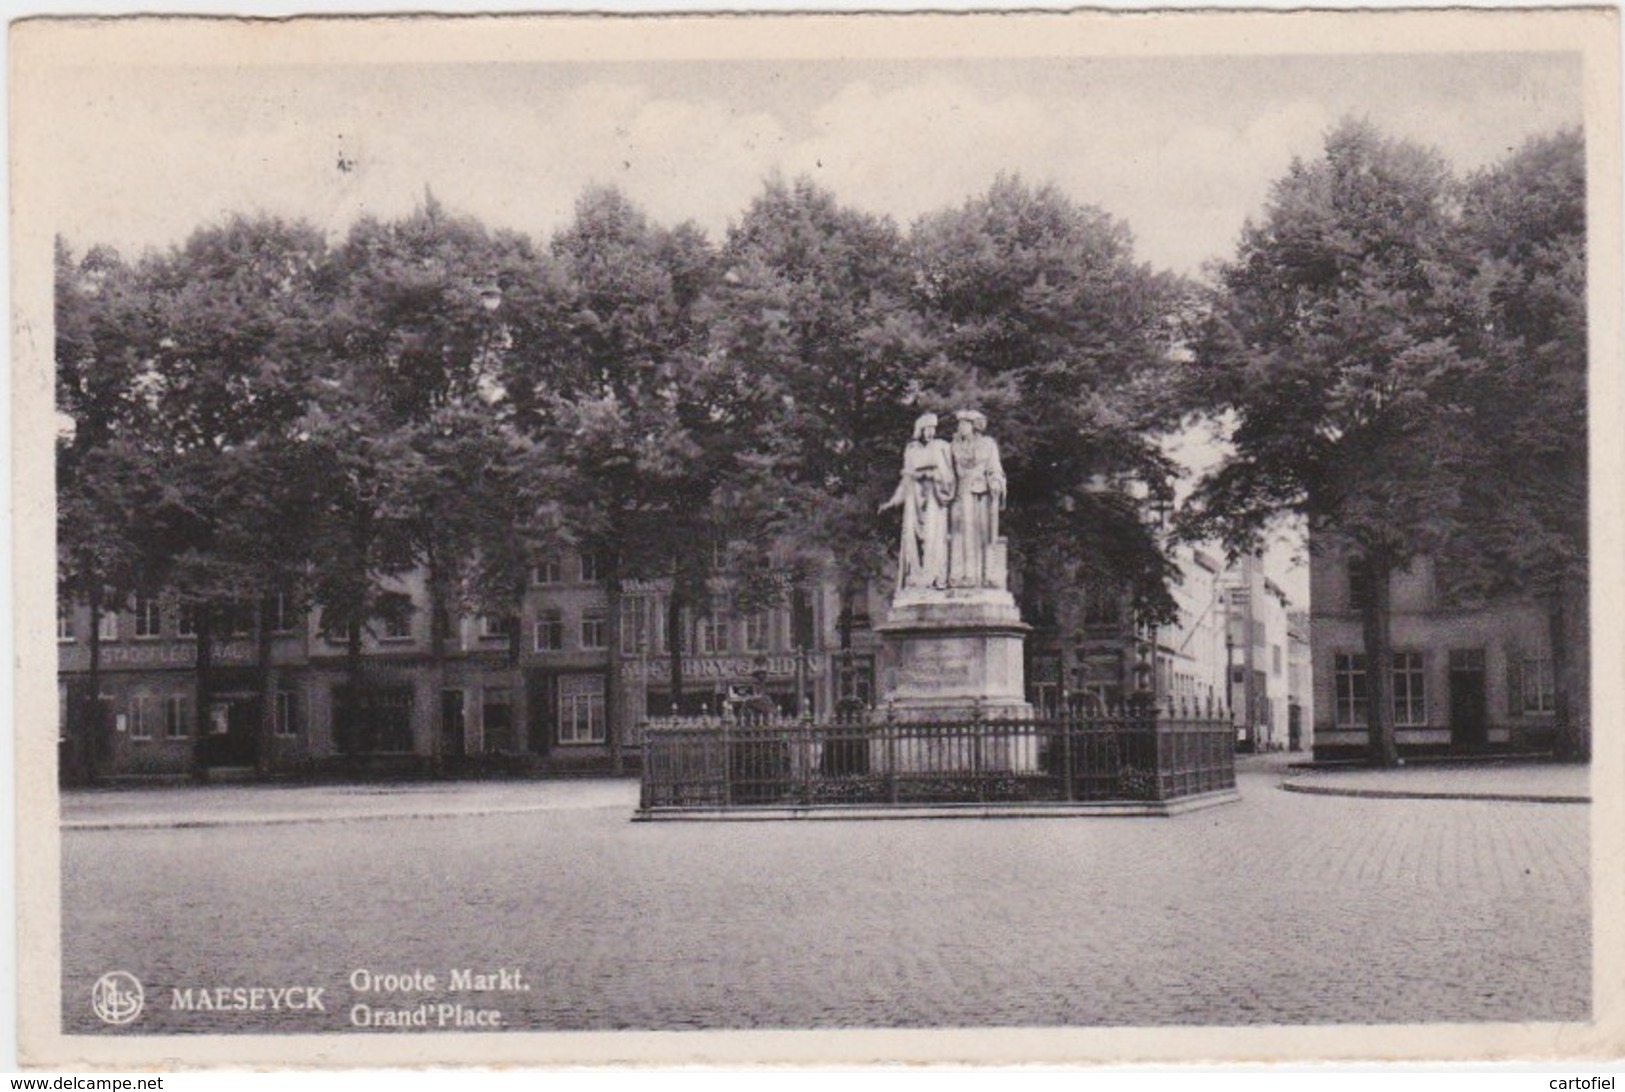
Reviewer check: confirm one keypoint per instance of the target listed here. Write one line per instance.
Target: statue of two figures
(951, 496)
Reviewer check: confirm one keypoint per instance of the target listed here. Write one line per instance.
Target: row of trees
(260, 409)
(1403, 358)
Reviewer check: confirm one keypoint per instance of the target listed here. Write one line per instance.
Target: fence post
(891, 750)
(978, 732)
(643, 767)
(1068, 722)
(806, 759)
(727, 765)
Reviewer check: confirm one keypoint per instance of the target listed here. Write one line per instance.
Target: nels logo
(117, 998)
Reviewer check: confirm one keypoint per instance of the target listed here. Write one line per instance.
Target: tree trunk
(265, 746)
(93, 743)
(205, 669)
(519, 693)
(351, 729)
(1567, 635)
(612, 677)
(674, 645)
(439, 623)
(1379, 661)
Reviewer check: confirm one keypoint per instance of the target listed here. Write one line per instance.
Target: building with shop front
(540, 702)
(1465, 678)
(543, 705)
(1104, 657)
(1257, 641)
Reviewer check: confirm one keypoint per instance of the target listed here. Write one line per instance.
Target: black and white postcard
(818, 538)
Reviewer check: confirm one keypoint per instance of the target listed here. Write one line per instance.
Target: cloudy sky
(1183, 148)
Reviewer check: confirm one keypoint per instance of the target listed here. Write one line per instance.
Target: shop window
(1350, 690)
(581, 709)
(380, 721)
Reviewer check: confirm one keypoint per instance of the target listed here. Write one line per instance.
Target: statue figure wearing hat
(974, 519)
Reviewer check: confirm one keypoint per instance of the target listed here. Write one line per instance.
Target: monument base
(958, 655)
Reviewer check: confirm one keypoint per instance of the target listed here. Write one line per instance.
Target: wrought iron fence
(1148, 755)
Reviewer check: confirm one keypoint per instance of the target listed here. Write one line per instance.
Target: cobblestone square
(1285, 908)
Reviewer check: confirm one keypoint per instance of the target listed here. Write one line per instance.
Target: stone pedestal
(957, 651)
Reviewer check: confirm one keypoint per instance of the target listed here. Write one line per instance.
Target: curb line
(1398, 794)
(294, 820)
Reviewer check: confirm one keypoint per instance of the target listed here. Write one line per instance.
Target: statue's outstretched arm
(896, 497)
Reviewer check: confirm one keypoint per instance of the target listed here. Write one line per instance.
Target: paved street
(1284, 908)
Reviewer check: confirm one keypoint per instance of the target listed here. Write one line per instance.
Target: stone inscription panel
(939, 665)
